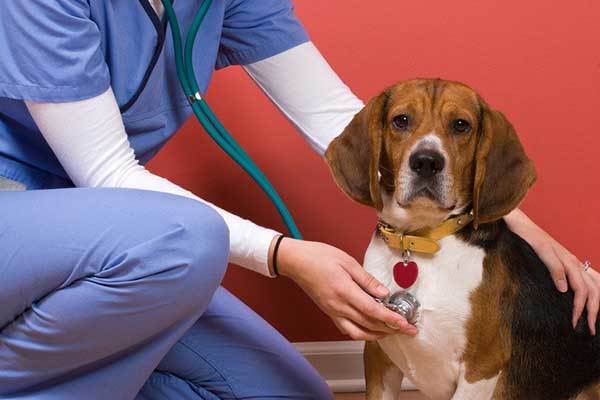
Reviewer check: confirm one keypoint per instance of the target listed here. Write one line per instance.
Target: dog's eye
(461, 126)
(401, 122)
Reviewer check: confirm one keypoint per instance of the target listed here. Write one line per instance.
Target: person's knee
(201, 241)
(206, 239)
(179, 241)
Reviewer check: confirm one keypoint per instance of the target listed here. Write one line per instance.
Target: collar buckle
(384, 230)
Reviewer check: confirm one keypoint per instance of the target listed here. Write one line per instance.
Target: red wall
(539, 63)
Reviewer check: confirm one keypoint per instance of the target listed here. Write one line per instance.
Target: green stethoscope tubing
(207, 118)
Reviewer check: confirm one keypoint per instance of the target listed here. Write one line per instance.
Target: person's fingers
(595, 277)
(592, 301)
(369, 307)
(574, 272)
(555, 266)
(366, 322)
(349, 328)
(376, 326)
(366, 280)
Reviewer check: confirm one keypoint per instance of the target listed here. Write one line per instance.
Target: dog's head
(426, 149)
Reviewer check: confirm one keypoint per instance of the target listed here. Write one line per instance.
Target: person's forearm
(89, 139)
(519, 223)
(310, 94)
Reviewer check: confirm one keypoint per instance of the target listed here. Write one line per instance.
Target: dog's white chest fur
(432, 359)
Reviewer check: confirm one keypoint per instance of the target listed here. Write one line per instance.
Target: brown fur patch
(354, 156)
(503, 173)
(377, 363)
(488, 329)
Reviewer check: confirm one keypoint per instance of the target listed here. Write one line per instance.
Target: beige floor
(407, 395)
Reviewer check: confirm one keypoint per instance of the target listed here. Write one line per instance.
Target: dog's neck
(410, 220)
(405, 220)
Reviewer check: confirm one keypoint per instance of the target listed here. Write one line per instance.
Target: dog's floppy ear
(503, 173)
(353, 156)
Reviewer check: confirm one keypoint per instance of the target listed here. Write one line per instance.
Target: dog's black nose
(426, 163)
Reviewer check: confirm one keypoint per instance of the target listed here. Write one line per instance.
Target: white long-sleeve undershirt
(308, 92)
(89, 138)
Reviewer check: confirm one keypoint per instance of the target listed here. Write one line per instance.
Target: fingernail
(562, 285)
(381, 290)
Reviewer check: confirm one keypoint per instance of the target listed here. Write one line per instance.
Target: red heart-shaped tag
(406, 275)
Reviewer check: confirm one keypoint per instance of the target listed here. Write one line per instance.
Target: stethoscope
(206, 117)
(403, 302)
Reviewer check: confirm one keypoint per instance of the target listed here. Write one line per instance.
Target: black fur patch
(550, 360)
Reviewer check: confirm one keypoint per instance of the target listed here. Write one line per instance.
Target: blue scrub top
(68, 50)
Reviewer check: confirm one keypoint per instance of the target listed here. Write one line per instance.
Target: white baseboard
(341, 363)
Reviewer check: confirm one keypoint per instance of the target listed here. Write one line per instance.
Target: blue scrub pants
(114, 294)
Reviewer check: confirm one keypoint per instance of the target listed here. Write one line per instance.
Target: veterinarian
(112, 293)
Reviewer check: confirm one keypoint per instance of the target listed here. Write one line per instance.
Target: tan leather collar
(423, 240)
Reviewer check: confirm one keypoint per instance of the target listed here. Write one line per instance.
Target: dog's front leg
(383, 378)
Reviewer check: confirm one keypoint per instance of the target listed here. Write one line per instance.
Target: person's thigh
(96, 285)
(232, 353)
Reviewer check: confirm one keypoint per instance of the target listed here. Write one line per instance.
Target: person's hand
(564, 267)
(340, 287)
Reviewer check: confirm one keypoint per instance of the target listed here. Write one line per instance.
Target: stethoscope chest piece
(403, 303)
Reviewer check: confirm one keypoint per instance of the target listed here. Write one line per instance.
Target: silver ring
(586, 265)
(406, 256)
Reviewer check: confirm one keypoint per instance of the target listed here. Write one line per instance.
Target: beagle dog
(442, 168)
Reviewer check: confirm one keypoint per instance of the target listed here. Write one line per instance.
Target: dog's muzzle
(426, 175)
